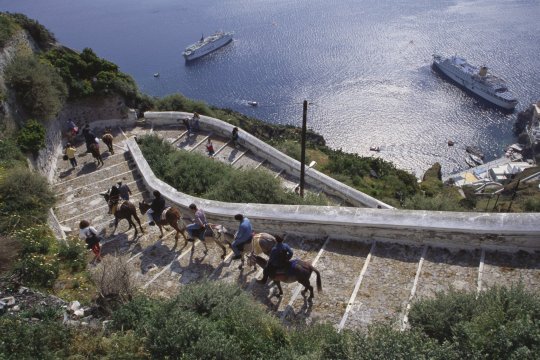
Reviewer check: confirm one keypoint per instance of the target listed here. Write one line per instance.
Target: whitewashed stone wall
(434, 228)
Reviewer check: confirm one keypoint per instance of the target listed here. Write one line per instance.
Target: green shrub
(384, 342)
(10, 154)
(25, 199)
(197, 175)
(373, 176)
(9, 253)
(503, 323)
(37, 269)
(44, 313)
(36, 240)
(37, 85)
(22, 340)
(218, 321)
(532, 205)
(86, 74)
(8, 27)
(43, 37)
(72, 254)
(178, 102)
(31, 137)
(439, 202)
(135, 314)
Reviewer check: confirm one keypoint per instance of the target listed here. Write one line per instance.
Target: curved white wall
(435, 228)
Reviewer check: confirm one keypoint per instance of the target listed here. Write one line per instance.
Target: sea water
(363, 65)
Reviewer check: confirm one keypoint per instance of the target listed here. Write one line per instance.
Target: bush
(11, 250)
(503, 323)
(22, 340)
(10, 154)
(218, 321)
(38, 87)
(532, 205)
(373, 176)
(36, 240)
(38, 269)
(197, 175)
(439, 202)
(178, 102)
(114, 281)
(43, 37)
(72, 253)
(31, 137)
(8, 27)
(25, 199)
(86, 74)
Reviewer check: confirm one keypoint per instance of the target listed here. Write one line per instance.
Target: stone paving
(362, 281)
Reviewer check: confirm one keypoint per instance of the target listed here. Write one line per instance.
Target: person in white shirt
(90, 235)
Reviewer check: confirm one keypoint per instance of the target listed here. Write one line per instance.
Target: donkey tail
(319, 282)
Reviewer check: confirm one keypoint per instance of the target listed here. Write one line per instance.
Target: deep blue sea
(364, 65)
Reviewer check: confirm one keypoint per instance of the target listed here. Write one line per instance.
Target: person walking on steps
(280, 255)
(243, 236)
(234, 137)
(186, 124)
(195, 122)
(199, 222)
(90, 235)
(70, 153)
(156, 208)
(210, 148)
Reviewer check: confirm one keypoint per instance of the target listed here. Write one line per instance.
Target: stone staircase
(363, 280)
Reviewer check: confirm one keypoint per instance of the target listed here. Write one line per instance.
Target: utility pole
(513, 196)
(303, 153)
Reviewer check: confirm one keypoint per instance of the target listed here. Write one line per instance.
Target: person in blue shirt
(280, 256)
(243, 235)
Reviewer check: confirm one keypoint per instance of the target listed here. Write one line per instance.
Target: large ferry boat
(476, 80)
(207, 44)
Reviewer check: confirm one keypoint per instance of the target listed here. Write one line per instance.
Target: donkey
(299, 271)
(125, 211)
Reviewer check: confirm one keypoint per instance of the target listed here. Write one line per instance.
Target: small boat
(156, 75)
(375, 148)
(473, 150)
(252, 103)
(477, 159)
(451, 143)
(470, 161)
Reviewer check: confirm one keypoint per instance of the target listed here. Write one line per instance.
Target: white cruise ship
(207, 44)
(476, 80)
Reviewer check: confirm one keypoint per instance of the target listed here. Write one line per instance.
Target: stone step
(503, 268)
(340, 266)
(385, 289)
(97, 208)
(96, 183)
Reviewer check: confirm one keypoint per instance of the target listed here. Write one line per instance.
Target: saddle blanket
(164, 213)
(283, 273)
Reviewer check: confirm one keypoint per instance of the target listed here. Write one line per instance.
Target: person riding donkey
(89, 137)
(114, 197)
(156, 208)
(199, 223)
(243, 236)
(279, 259)
(125, 191)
